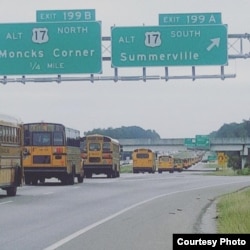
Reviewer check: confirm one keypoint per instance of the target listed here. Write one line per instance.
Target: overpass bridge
(241, 145)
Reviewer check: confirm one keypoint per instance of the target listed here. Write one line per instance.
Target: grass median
(233, 209)
(234, 212)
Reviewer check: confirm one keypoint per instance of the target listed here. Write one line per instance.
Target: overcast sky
(174, 108)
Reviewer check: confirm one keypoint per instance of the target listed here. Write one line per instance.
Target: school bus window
(6, 135)
(94, 146)
(142, 156)
(1, 133)
(106, 147)
(14, 135)
(83, 146)
(17, 135)
(27, 141)
(58, 139)
(41, 139)
(11, 134)
(73, 142)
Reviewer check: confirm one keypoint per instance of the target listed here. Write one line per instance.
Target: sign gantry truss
(237, 44)
(238, 48)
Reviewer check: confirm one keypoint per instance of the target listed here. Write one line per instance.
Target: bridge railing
(150, 142)
(230, 141)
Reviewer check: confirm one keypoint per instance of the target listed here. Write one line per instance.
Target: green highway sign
(184, 45)
(212, 157)
(50, 48)
(190, 142)
(202, 141)
(65, 15)
(190, 19)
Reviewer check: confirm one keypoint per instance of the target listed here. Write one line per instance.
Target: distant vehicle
(11, 172)
(165, 163)
(51, 150)
(187, 163)
(144, 160)
(185, 159)
(178, 164)
(101, 155)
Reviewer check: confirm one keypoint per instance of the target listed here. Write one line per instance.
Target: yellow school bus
(178, 164)
(51, 150)
(187, 163)
(11, 172)
(144, 160)
(165, 163)
(101, 155)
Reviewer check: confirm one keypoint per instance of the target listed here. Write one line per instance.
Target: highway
(135, 211)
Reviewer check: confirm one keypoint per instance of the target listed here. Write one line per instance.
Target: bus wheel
(71, 177)
(27, 180)
(114, 173)
(64, 180)
(80, 179)
(11, 191)
(34, 181)
(18, 176)
(42, 180)
(89, 175)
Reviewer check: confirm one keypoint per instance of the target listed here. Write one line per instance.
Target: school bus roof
(9, 120)
(105, 137)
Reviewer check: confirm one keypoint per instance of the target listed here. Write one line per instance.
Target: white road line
(98, 223)
(48, 193)
(5, 202)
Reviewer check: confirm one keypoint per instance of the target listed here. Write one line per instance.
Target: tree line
(124, 132)
(233, 130)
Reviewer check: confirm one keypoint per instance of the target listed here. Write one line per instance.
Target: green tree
(123, 132)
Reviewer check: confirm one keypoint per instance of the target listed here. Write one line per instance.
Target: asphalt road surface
(135, 211)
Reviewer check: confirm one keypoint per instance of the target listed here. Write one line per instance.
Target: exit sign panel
(169, 45)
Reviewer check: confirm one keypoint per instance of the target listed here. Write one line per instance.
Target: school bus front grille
(41, 159)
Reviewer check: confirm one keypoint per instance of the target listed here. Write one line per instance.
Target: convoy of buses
(33, 152)
(145, 160)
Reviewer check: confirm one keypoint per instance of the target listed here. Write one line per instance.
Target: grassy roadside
(233, 209)
(234, 212)
(126, 169)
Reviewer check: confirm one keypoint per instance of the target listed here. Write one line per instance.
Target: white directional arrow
(214, 42)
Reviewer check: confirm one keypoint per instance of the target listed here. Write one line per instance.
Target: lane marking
(5, 202)
(48, 193)
(100, 222)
